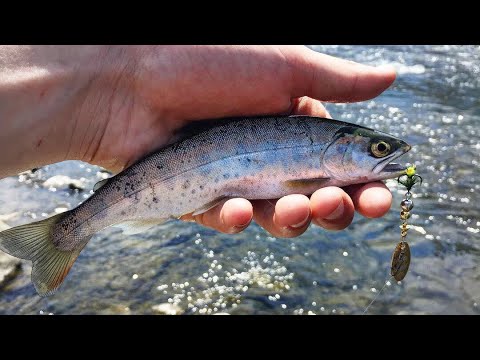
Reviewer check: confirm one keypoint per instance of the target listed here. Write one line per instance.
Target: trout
(263, 157)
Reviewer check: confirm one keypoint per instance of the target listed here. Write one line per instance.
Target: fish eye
(380, 149)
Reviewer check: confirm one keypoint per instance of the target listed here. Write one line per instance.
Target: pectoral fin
(300, 183)
(210, 205)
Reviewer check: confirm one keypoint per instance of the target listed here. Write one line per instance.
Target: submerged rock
(167, 309)
(9, 268)
(63, 181)
(31, 176)
(7, 217)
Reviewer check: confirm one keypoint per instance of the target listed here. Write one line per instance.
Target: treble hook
(411, 178)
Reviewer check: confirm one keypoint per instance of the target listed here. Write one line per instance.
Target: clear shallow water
(434, 105)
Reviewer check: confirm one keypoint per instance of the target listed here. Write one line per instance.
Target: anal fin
(132, 227)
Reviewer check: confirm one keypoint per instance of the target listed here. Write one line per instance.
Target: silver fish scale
(224, 141)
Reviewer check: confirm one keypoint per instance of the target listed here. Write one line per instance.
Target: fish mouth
(393, 168)
(389, 170)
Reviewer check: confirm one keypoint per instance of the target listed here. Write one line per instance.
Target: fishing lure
(401, 255)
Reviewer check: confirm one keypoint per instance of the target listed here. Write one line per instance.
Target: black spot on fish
(226, 176)
(193, 191)
(155, 200)
(160, 167)
(201, 187)
(117, 188)
(123, 212)
(217, 180)
(129, 187)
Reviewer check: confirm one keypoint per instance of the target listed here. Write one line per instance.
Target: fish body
(255, 158)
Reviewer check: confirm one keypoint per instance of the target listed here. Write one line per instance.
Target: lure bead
(404, 215)
(406, 204)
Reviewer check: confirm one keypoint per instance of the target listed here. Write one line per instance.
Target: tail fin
(34, 242)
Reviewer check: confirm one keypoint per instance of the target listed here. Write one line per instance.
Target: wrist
(42, 90)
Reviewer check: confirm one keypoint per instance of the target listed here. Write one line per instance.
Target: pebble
(167, 309)
(62, 181)
(9, 265)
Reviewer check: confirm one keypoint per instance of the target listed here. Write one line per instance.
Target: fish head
(359, 154)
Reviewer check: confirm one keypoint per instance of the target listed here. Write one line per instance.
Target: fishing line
(376, 296)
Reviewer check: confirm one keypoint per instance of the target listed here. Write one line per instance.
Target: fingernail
(386, 67)
(300, 224)
(337, 213)
(237, 228)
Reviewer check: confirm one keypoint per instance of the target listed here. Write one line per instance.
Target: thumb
(327, 78)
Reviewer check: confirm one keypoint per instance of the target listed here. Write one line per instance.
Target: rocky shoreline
(10, 267)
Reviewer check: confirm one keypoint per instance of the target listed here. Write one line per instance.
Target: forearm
(42, 92)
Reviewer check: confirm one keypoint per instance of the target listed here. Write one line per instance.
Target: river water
(434, 105)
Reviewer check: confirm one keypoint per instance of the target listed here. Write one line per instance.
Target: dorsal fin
(99, 184)
(199, 126)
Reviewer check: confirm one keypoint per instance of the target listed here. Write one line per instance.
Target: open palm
(155, 90)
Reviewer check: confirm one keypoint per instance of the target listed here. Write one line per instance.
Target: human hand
(125, 102)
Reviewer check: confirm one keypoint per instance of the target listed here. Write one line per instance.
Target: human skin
(112, 105)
